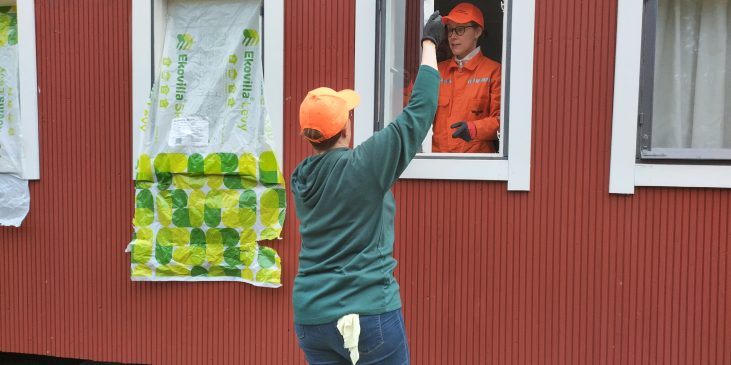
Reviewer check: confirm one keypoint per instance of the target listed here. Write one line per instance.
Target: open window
(672, 118)
(18, 91)
(387, 59)
(148, 32)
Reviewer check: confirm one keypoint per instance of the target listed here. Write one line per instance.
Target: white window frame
(515, 169)
(624, 171)
(28, 85)
(147, 46)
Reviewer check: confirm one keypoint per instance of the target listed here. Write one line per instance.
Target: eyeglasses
(458, 30)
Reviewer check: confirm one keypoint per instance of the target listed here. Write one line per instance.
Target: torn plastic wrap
(14, 200)
(14, 195)
(208, 184)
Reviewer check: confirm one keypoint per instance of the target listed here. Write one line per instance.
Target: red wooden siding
(563, 274)
(566, 273)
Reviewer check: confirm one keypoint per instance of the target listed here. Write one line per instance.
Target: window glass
(469, 117)
(690, 113)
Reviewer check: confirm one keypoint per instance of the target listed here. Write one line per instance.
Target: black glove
(434, 29)
(464, 130)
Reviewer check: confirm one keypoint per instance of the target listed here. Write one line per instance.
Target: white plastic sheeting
(209, 186)
(14, 200)
(14, 195)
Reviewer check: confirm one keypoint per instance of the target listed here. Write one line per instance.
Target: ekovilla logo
(251, 37)
(185, 41)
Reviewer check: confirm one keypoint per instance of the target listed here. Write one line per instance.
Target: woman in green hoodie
(347, 305)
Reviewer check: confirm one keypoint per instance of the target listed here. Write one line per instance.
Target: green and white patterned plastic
(10, 138)
(209, 187)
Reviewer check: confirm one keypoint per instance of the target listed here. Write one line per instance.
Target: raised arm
(388, 152)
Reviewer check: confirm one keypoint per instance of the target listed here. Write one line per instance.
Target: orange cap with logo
(465, 13)
(326, 111)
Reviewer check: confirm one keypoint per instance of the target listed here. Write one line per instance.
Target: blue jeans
(382, 341)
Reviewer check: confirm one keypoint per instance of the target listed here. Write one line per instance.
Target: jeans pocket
(299, 331)
(371, 334)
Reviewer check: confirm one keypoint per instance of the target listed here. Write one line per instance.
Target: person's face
(462, 44)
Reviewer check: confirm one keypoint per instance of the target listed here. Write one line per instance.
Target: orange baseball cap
(326, 111)
(465, 13)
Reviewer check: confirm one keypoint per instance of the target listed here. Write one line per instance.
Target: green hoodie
(346, 210)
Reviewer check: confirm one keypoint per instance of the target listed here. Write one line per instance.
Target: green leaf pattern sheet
(208, 185)
(10, 137)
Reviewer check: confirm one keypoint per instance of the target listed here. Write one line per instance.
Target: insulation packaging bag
(14, 194)
(208, 184)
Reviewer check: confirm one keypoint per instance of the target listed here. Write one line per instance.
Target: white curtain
(692, 91)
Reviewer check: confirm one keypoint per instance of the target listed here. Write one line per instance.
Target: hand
(465, 130)
(434, 29)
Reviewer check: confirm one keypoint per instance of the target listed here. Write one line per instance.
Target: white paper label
(188, 131)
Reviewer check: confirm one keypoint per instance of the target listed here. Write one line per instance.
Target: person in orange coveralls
(468, 117)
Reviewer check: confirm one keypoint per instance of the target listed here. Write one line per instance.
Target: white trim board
(274, 72)
(465, 169)
(695, 176)
(142, 76)
(516, 168)
(147, 46)
(624, 171)
(28, 82)
(365, 66)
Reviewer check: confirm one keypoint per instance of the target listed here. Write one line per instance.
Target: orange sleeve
(488, 127)
(407, 93)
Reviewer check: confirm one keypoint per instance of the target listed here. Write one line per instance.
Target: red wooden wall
(563, 274)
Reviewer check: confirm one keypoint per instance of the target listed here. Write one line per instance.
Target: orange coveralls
(469, 94)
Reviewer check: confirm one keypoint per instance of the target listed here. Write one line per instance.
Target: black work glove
(465, 130)
(434, 29)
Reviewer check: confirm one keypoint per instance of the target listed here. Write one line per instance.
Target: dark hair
(323, 145)
(474, 24)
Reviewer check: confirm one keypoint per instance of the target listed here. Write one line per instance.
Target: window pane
(395, 54)
(473, 97)
(692, 76)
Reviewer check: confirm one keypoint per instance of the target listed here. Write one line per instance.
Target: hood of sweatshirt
(311, 177)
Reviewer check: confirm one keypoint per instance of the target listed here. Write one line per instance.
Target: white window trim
(28, 84)
(516, 168)
(624, 171)
(142, 79)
